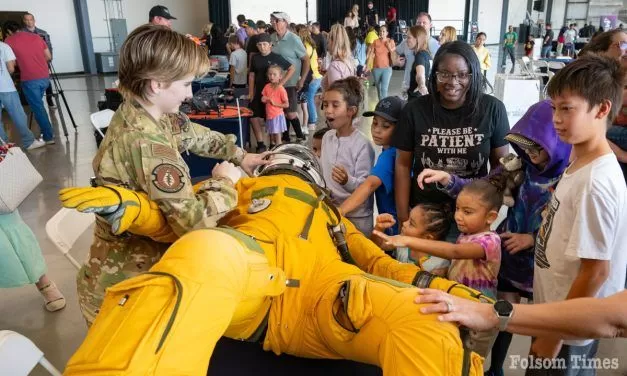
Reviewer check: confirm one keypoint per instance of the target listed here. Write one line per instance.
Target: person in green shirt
(510, 40)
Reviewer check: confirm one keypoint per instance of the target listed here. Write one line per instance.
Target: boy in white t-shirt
(238, 63)
(581, 246)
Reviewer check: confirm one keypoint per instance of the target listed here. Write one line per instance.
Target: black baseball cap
(388, 108)
(160, 11)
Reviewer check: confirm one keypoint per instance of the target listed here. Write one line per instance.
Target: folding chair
(101, 119)
(19, 355)
(65, 227)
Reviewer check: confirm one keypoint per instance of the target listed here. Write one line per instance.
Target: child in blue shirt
(381, 178)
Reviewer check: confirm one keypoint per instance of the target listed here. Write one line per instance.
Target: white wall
(489, 19)
(447, 13)
(58, 19)
(191, 16)
(261, 9)
(516, 13)
(557, 15)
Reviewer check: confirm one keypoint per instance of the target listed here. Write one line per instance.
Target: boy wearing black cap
(160, 15)
(381, 179)
(258, 78)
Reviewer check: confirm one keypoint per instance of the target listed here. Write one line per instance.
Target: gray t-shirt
(356, 155)
(239, 61)
(434, 45)
(292, 49)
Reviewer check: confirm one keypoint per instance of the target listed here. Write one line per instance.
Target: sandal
(53, 299)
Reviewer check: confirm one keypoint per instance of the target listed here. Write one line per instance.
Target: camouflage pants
(112, 259)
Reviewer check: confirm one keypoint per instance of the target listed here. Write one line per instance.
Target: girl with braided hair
(426, 221)
(476, 256)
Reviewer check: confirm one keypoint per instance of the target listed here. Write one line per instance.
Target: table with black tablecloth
(227, 122)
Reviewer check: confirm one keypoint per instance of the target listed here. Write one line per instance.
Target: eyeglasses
(459, 77)
(622, 45)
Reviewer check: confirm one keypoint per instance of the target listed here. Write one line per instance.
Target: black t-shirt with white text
(260, 64)
(443, 139)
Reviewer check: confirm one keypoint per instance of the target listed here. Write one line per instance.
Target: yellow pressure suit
(273, 269)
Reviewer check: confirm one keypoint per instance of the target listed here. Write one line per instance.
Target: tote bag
(19, 179)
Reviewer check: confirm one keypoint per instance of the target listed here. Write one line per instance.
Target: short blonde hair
(340, 44)
(449, 33)
(153, 52)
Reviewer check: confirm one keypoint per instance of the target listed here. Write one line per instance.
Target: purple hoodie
(533, 194)
(535, 191)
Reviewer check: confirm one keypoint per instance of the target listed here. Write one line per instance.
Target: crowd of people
(442, 176)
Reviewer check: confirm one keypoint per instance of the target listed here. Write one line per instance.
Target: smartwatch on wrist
(504, 311)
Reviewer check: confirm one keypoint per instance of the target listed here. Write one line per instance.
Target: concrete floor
(68, 163)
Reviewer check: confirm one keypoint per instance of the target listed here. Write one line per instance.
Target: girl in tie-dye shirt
(476, 256)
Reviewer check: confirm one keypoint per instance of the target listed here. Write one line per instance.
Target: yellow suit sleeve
(371, 259)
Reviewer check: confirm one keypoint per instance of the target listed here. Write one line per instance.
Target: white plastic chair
(65, 227)
(524, 66)
(556, 65)
(19, 355)
(101, 119)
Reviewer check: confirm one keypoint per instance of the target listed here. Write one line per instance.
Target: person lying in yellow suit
(283, 268)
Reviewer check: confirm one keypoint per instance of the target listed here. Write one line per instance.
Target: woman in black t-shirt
(417, 40)
(456, 128)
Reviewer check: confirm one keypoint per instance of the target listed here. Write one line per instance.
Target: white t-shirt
(586, 218)
(238, 60)
(569, 36)
(6, 54)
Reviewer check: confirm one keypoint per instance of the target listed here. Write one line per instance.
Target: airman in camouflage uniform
(142, 154)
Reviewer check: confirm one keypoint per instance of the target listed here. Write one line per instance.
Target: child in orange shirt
(275, 98)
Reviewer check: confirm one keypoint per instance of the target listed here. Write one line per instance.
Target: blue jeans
(11, 102)
(546, 51)
(508, 51)
(312, 89)
(34, 91)
(382, 80)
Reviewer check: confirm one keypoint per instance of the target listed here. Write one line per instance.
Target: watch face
(503, 308)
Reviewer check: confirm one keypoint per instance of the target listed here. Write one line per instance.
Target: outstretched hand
(390, 241)
(429, 176)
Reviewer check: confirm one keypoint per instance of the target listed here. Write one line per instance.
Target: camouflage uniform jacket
(142, 154)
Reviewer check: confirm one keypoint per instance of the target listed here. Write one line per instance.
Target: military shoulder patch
(168, 178)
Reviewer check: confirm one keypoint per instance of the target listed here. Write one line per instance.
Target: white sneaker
(51, 142)
(36, 145)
